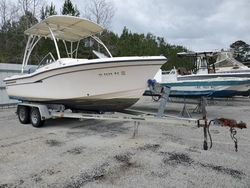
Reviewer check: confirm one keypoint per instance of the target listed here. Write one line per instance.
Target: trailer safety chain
(233, 133)
(228, 123)
(206, 131)
(224, 123)
(209, 134)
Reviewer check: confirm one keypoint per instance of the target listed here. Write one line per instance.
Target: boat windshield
(202, 62)
(48, 59)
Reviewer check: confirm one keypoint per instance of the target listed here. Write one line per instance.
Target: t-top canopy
(195, 54)
(68, 28)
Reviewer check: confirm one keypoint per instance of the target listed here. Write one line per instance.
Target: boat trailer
(37, 113)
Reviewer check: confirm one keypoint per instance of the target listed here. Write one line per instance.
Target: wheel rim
(34, 117)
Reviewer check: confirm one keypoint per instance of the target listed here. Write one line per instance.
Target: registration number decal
(120, 73)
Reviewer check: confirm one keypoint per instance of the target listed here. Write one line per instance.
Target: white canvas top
(193, 54)
(68, 28)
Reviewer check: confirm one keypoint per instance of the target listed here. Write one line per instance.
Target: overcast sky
(195, 24)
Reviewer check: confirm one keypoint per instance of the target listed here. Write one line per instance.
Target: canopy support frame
(54, 39)
(32, 41)
(100, 42)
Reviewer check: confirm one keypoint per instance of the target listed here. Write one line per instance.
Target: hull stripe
(40, 81)
(93, 68)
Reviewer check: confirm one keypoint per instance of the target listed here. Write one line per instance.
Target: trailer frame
(37, 113)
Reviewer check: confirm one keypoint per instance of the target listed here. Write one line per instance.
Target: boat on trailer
(203, 70)
(102, 84)
(206, 80)
(223, 87)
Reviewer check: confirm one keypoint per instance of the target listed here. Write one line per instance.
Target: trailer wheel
(35, 117)
(23, 114)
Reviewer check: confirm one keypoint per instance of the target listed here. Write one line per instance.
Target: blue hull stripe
(211, 93)
(208, 83)
(208, 93)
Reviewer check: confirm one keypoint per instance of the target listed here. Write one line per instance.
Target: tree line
(241, 51)
(16, 18)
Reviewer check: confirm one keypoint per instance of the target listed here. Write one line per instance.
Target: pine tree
(48, 11)
(69, 9)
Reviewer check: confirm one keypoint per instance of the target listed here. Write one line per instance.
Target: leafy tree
(241, 51)
(69, 9)
(238, 44)
(27, 20)
(134, 44)
(13, 40)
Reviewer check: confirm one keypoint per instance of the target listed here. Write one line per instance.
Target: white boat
(204, 71)
(225, 63)
(103, 84)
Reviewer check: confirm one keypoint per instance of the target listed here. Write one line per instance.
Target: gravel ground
(93, 153)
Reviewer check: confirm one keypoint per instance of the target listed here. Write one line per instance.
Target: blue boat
(213, 87)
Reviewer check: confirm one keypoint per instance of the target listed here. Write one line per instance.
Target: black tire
(23, 113)
(35, 117)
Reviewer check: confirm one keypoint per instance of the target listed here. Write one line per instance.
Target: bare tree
(3, 11)
(25, 5)
(14, 12)
(31, 6)
(100, 11)
(35, 4)
(8, 12)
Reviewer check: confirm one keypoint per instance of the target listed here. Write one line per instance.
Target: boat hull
(109, 85)
(209, 88)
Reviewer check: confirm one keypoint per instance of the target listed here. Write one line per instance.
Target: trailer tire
(23, 113)
(35, 117)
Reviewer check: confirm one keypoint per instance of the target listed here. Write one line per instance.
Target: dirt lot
(93, 153)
